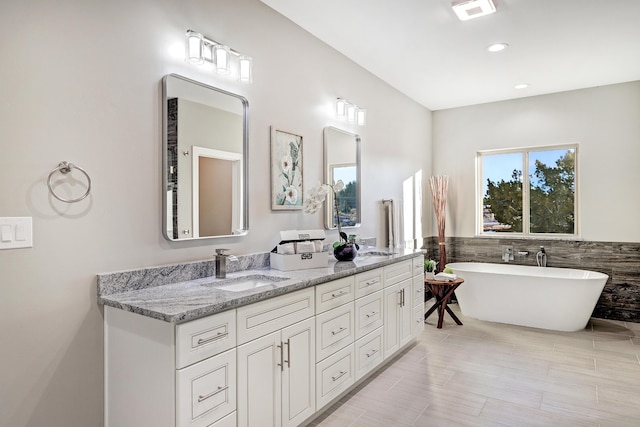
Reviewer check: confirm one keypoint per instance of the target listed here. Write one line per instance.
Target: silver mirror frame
(165, 160)
(328, 207)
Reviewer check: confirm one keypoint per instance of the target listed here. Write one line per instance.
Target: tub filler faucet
(507, 254)
(221, 262)
(541, 257)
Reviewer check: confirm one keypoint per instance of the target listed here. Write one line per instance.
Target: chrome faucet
(507, 253)
(541, 257)
(221, 263)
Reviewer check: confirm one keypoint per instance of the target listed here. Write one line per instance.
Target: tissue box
(299, 261)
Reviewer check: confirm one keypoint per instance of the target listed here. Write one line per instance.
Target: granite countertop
(191, 299)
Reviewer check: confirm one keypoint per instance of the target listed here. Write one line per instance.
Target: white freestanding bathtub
(561, 299)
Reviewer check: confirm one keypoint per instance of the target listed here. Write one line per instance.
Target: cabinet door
(405, 321)
(368, 353)
(299, 375)
(418, 290)
(418, 319)
(206, 391)
(391, 322)
(396, 273)
(334, 375)
(334, 330)
(369, 282)
(369, 314)
(259, 381)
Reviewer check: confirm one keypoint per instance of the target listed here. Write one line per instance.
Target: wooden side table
(442, 291)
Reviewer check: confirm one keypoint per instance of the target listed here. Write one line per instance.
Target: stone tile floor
(491, 374)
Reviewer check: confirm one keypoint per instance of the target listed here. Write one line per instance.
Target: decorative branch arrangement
(439, 187)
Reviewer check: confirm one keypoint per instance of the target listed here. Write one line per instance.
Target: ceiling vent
(469, 9)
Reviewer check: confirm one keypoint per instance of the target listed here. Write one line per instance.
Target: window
(528, 191)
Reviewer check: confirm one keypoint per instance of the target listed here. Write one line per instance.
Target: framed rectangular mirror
(342, 162)
(205, 156)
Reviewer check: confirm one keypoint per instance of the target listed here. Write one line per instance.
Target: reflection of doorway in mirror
(217, 205)
(347, 197)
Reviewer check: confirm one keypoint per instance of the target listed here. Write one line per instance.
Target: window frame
(526, 190)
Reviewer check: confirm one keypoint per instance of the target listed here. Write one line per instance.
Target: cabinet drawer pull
(371, 282)
(213, 338)
(219, 390)
(281, 364)
(288, 344)
(373, 313)
(338, 294)
(373, 351)
(337, 331)
(341, 374)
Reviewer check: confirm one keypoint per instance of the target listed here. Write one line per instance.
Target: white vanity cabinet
(165, 375)
(418, 296)
(398, 306)
(271, 363)
(276, 371)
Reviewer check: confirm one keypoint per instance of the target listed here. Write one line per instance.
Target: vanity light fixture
(246, 74)
(469, 9)
(341, 107)
(200, 49)
(194, 48)
(350, 112)
(221, 54)
(497, 47)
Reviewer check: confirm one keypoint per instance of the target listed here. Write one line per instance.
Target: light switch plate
(19, 230)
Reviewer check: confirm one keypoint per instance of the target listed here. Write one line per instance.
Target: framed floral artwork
(286, 170)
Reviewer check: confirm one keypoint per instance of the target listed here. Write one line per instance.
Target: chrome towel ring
(65, 168)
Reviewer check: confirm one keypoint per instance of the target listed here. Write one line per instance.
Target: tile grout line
(394, 384)
(420, 414)
(359, 416)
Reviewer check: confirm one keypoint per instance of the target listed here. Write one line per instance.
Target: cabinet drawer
(228, 421)
(418, 266)
(368, 353)
(397, 272)
(418, 319)
(206, 337)
(334, 330)
(206, 391)
(261, 318)
(334, 375)
(368, 314)
(418, 290)
(368, 282)
(333, 294)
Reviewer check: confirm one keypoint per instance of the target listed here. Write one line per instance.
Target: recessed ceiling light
(521, 86)
(469, 9)
(497, 47)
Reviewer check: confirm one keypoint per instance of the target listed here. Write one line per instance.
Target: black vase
(345, 252)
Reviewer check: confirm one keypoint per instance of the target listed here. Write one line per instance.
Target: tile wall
(620, 299)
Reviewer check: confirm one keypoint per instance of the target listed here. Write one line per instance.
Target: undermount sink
(375, 253)
(246, 283)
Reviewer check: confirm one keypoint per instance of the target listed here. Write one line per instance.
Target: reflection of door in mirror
(205, 157)
(216, 181)
(342, 162)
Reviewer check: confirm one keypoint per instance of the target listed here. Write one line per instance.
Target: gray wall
(81, 82)
(604, 122)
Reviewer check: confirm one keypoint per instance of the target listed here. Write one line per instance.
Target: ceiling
(423, 50)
